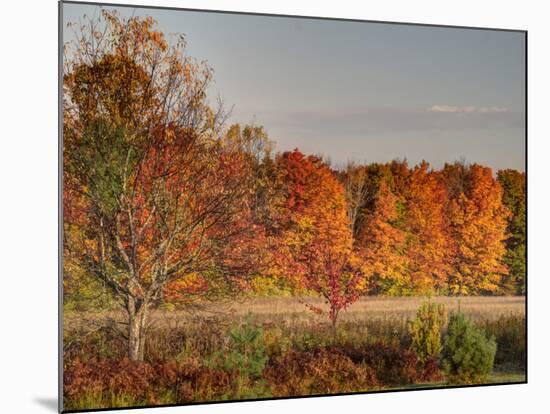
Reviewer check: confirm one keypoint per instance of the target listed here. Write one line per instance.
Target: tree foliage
(425, 330)
(315, 235)
(468, 355)
(157, 199)
(513, 185)
(478, 221)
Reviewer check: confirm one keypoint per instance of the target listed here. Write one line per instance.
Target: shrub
(100, 383)
(468, 355)
(109, 383)
(276, 341)
(104, 343)
(425, 330)
(188, 381)
(509, 332)
(247, 357)
(247, 353)
(318, 372)
(393, 364)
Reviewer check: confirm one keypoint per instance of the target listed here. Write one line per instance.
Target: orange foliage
(382, 242)
(478, 228)
(316, 234)
(428, 244)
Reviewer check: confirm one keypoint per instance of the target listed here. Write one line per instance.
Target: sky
(362, 91)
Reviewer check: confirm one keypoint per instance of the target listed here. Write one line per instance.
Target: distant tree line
(396, 230)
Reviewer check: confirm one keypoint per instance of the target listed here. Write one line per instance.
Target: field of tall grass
(272, 347)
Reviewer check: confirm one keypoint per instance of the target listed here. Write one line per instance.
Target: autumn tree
(404, 238)
(254, 142)
(513, 185)
(315, 234)
(156, 197)
(428, 248)
(478, 222)
(456, 177)
(356, 186)
(382, 243)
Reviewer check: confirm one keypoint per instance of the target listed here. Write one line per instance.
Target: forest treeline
(414, 230)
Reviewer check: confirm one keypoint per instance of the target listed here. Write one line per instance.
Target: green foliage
(247, 353)
(468, 355)
(513, 184)
(100, 159)
(85, 401)
(246, 356)
(509, 332)
(425, 330)
(84, 293)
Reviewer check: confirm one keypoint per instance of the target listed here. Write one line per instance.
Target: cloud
(452, 109)
(392, 120)
(466, 109)
(492, 109)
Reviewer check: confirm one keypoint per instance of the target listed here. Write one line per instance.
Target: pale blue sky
(363, 91)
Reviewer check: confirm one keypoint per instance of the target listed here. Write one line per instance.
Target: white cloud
(452, 109)
(492, 109)
(466, 109)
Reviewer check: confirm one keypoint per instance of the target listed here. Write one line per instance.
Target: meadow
(284, 309)
(273, 347)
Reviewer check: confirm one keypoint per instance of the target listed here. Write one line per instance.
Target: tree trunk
(138, 314)
(333, 316)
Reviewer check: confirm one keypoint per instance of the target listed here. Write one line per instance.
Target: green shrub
(509, 332)
(468, 355)
(246, 356)
(247, 353)
(425, 330)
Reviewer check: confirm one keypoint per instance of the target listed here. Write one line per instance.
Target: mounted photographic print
(263, 206)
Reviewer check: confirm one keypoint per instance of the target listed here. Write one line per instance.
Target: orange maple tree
(316, 237)
(478, 221)
(428, 248)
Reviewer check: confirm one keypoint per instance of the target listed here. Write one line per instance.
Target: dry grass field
(279, 309)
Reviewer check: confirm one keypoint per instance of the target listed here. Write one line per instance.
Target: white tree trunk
(136, 330)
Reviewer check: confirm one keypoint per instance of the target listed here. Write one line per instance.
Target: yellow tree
(428, 248)
(478, 221)
(381, 243)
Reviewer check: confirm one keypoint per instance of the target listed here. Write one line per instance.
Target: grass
(495, 378)
(498, 377)
(202, 357)
(291, 309)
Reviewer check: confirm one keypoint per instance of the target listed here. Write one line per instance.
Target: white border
(28, 206)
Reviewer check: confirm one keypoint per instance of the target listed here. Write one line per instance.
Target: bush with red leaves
(318, 372)
(188, 381)
(99, 376)
(394, 365)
